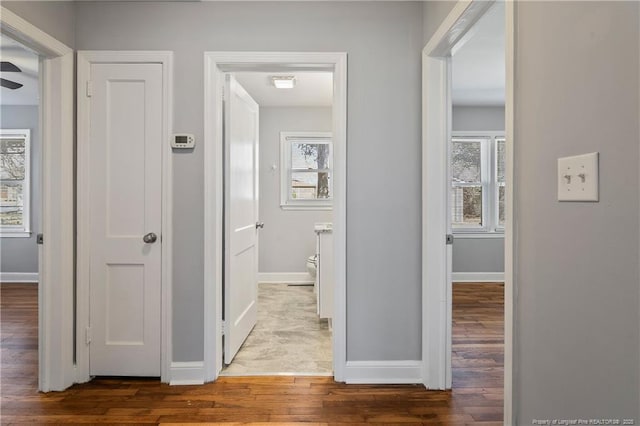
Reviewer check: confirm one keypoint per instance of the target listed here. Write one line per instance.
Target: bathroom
(295, 301)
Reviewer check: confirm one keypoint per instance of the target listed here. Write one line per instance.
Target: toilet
(312, 265)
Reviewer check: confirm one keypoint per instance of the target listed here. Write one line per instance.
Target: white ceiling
(479, 65)
(27, 61)
(312, 88)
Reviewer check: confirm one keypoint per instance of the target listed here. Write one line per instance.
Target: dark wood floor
(476, 397)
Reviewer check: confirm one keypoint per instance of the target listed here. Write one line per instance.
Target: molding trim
(285, 277)
(477, 277)
(19, 277)
(383, 372)
(215, 65)
(85, 59)
(187, 373)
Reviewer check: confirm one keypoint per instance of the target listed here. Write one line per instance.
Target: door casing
(56, 280)
(436, 256)
(85, 59)
(215, 65)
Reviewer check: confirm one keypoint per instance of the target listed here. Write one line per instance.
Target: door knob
(259, 225)
(150, 238)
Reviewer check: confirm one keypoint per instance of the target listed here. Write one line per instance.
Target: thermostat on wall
(182, 141)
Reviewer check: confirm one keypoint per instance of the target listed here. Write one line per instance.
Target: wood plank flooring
(476, 398)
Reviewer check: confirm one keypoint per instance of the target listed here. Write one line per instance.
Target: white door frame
(85, 59)
(436, 125)
(55, 288)
(215, 64)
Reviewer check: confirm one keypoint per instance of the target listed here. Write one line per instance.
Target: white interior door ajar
(125, 146)
(241, 216)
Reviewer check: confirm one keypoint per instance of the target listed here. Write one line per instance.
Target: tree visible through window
(14, 181)
(306, 170)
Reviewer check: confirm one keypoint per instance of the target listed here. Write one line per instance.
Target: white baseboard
(383, 372)
(19, 277)
(187, 373)
(477, 277)
(285, 277)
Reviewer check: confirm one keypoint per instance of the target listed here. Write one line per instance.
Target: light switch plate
(578, 178)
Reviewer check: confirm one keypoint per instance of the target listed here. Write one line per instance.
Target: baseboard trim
(383, 372)
(477, 277)
(19, 277)
(285, 277)
(187, 373)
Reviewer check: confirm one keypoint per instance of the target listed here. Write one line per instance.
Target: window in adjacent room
(306, 167)
(477, 182)
(14, 182)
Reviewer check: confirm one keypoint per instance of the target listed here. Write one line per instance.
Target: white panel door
(126, 197)
(241, 216)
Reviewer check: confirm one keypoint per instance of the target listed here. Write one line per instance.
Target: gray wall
(433, 13)
(287, 238)
(577, 327)
(478, 254)
(383, 278)
(56, 18)
(21, 254)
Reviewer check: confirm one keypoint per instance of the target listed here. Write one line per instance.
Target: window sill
(15, 234)
(473, 235)
(304, 207)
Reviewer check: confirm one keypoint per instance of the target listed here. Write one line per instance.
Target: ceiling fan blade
(10, 84)
(8, 67)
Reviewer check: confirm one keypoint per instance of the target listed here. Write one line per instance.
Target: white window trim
(285, 172)
(489, 183)
(10, 231)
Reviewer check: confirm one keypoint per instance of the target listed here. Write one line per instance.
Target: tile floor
(288, 337)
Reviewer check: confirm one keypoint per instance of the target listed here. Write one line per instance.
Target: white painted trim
(477, 236)
(85, 59)
(19, 234)
(383, 372)
(187, 373)
(478, 277)
(215, 64)
(510, 270)
(437, 130)
(19, 277)
(55, 296)
(285, 277)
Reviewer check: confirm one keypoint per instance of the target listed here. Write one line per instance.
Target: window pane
(466, 206)
(501, 206)
(12, 153)
(465, 161)
(310, 185)
(500, 159)
(310, 155)
(11, 204)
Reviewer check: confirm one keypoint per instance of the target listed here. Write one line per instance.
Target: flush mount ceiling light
(284, 81)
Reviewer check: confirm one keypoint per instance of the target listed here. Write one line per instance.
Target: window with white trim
(306, 170)
(477, 182)
(15, 163)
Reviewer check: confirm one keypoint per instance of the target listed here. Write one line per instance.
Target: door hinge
(449, 239)
(40, 239)
(87, 335)
(89, 88)
(224, 328)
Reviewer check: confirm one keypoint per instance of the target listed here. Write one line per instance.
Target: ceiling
(479, 65)
(27, 61)
(312, 88)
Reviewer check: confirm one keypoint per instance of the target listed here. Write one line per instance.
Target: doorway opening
(20, 194)
(287, 306)
(300, 318)
(55, 254)
(458, 194)
(477, 203)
